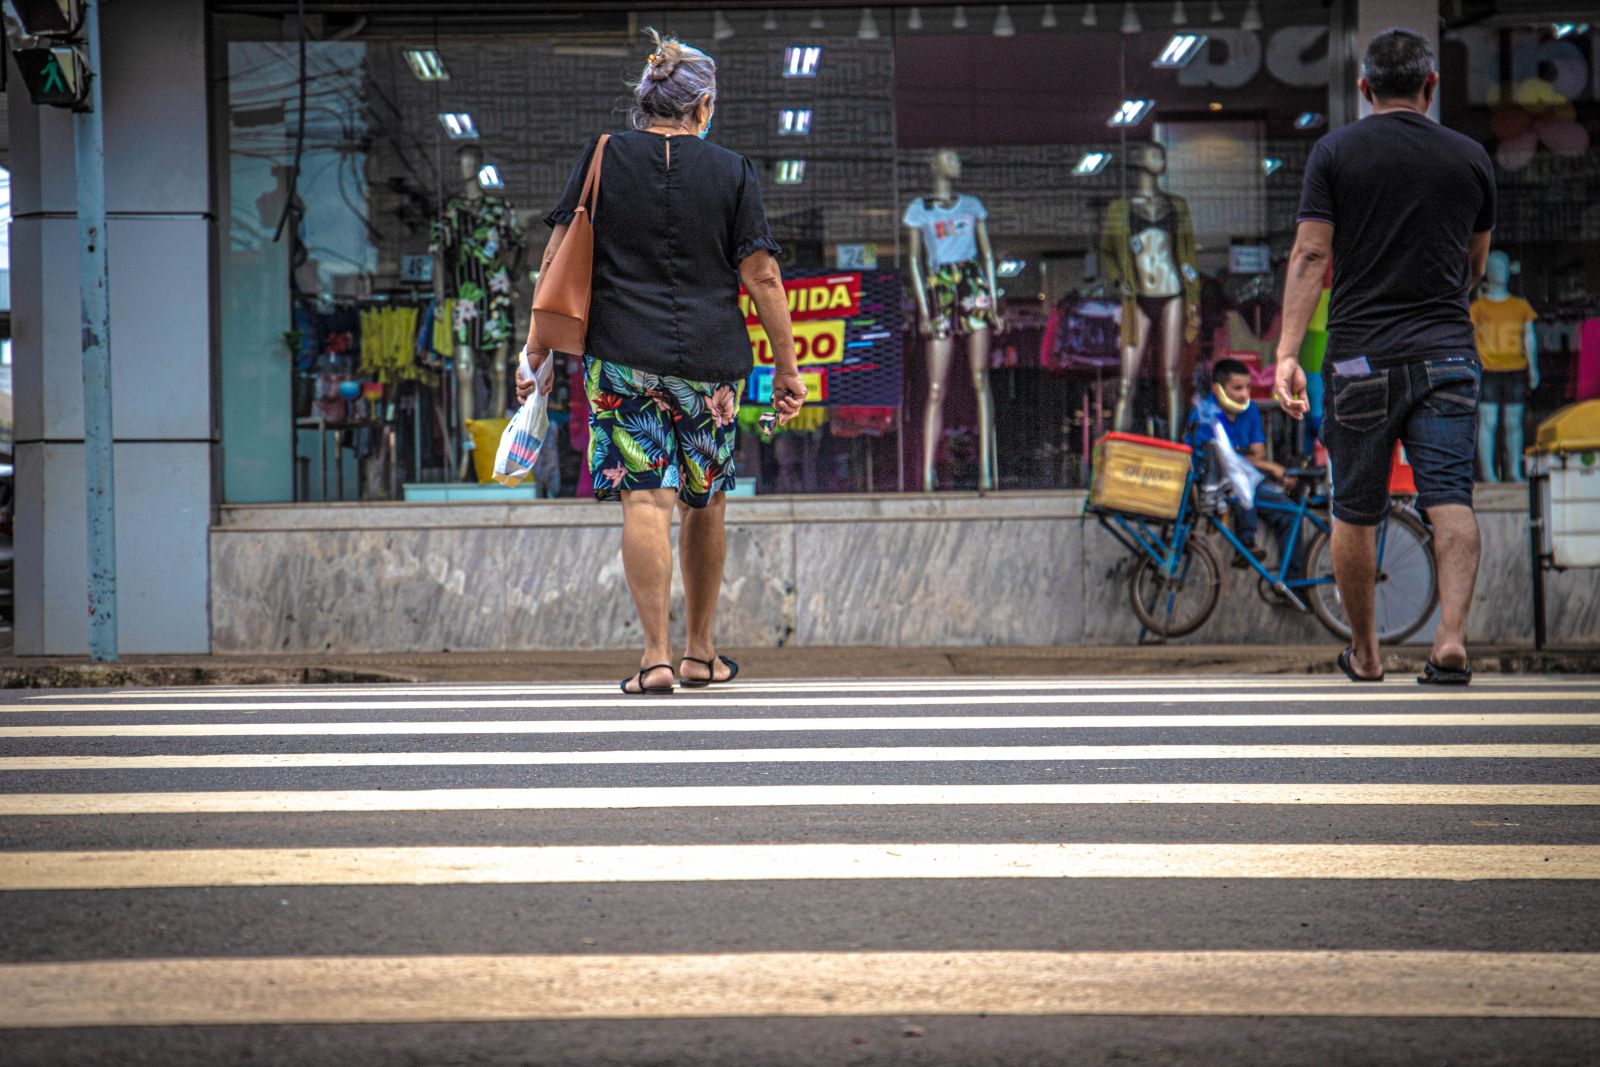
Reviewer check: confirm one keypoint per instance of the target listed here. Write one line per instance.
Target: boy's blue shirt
(1243, 430)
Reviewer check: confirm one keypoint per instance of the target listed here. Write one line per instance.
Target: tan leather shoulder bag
(561, 305)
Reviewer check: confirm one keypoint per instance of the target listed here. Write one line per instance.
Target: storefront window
(1529, 93)
(1131, 171)
(370, 346)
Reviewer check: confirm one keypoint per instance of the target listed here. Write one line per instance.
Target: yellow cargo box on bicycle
(1140, 475)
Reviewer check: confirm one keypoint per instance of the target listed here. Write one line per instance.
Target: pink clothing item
(1586, 376)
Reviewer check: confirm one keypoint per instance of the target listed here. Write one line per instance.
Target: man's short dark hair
(1223, 369)
(1397, 65)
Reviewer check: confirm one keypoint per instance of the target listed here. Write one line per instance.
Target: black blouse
(668, 243)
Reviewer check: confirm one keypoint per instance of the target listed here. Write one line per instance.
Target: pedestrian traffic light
(55, 76)
(42, 35)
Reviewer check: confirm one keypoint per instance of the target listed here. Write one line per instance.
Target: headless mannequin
(939, 332)
(468, 359)
(1157, 280)
(1497, 289)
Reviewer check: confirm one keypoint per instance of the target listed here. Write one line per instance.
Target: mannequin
(1147, 245)
(477, 243)
(1508, 345)
(952, 271)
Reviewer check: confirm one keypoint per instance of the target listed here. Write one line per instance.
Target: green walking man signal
(58, 77)
(53, 81)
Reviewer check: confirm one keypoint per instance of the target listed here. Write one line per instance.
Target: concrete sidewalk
(1012, 662)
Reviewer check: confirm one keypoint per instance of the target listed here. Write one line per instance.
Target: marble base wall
(911, 571)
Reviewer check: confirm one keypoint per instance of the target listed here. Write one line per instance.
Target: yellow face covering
(1230, 405)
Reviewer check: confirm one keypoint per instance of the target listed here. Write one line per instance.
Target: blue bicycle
(1177, 581)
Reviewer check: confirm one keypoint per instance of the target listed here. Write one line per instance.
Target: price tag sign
(1250, 259)
(416, 269)
(857, 257)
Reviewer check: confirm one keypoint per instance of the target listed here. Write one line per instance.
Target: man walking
(1404, 208)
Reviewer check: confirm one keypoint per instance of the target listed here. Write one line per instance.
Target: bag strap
(589, 199)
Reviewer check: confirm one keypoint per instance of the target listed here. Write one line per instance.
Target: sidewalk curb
(534, 667)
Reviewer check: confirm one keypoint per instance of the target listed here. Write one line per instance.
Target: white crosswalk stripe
(744, 725)
(150, 806)
(898, 754)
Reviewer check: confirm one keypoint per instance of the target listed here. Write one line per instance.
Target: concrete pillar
(1375, 16)
(161, 234)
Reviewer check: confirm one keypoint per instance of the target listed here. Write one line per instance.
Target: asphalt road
(962, 872)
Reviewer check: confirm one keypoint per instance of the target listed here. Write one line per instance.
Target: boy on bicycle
(1230, 407)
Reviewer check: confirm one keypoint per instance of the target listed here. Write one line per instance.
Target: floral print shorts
(958, 300)
(647, 431)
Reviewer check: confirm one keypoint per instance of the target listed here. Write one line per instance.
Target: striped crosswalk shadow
(160, 798)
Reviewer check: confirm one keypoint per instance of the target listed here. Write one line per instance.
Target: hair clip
(655, 58)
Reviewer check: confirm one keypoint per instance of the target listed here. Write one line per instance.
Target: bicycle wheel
(1172, 607)
(1407, 589)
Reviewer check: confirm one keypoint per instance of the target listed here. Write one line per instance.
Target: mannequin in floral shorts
(952, 271)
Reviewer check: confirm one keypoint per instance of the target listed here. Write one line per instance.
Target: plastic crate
(1140, 475)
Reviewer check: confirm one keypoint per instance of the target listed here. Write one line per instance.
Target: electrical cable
(300, 133)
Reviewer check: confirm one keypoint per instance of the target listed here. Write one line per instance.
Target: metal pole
(1536, 521)
(89, 144)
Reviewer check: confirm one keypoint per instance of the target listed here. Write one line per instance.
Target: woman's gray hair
(676, 78)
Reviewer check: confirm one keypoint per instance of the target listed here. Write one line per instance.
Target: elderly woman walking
(678, 225)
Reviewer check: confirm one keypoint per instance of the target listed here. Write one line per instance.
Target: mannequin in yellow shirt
(1508, 346)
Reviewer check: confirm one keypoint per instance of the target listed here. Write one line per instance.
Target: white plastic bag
(1243, 477)
(524, 434)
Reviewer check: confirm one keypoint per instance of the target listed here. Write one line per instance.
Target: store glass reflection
(1009, 228)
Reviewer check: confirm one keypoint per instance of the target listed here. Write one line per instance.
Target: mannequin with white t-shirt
(952, 272)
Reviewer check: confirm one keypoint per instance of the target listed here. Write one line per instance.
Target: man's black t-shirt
(1404, 196)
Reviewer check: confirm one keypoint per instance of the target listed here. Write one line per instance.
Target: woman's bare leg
(703, 549)
(647, 562)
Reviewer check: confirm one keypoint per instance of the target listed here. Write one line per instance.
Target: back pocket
(1361, 403)
(1452, 386)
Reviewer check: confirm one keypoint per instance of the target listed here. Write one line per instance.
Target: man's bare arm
(1302, 288)
(1478, 258)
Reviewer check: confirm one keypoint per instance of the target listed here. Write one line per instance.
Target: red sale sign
(836, 296)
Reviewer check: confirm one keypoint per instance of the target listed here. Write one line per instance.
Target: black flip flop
(1345, 664)
(710, 665)
(1434, 674)
(648, 690)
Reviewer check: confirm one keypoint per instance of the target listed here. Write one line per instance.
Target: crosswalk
(861, 858)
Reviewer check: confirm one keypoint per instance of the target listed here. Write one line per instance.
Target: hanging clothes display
(388, 344)
(1083, 334)
(476, 238)
(440, 338)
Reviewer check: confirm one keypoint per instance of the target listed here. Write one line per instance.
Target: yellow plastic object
(1575, 428)
(1319, 317)
(1142, 475)
(485, 442)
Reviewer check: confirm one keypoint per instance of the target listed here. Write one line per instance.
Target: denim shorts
(1430, 406)
(1504, 387)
